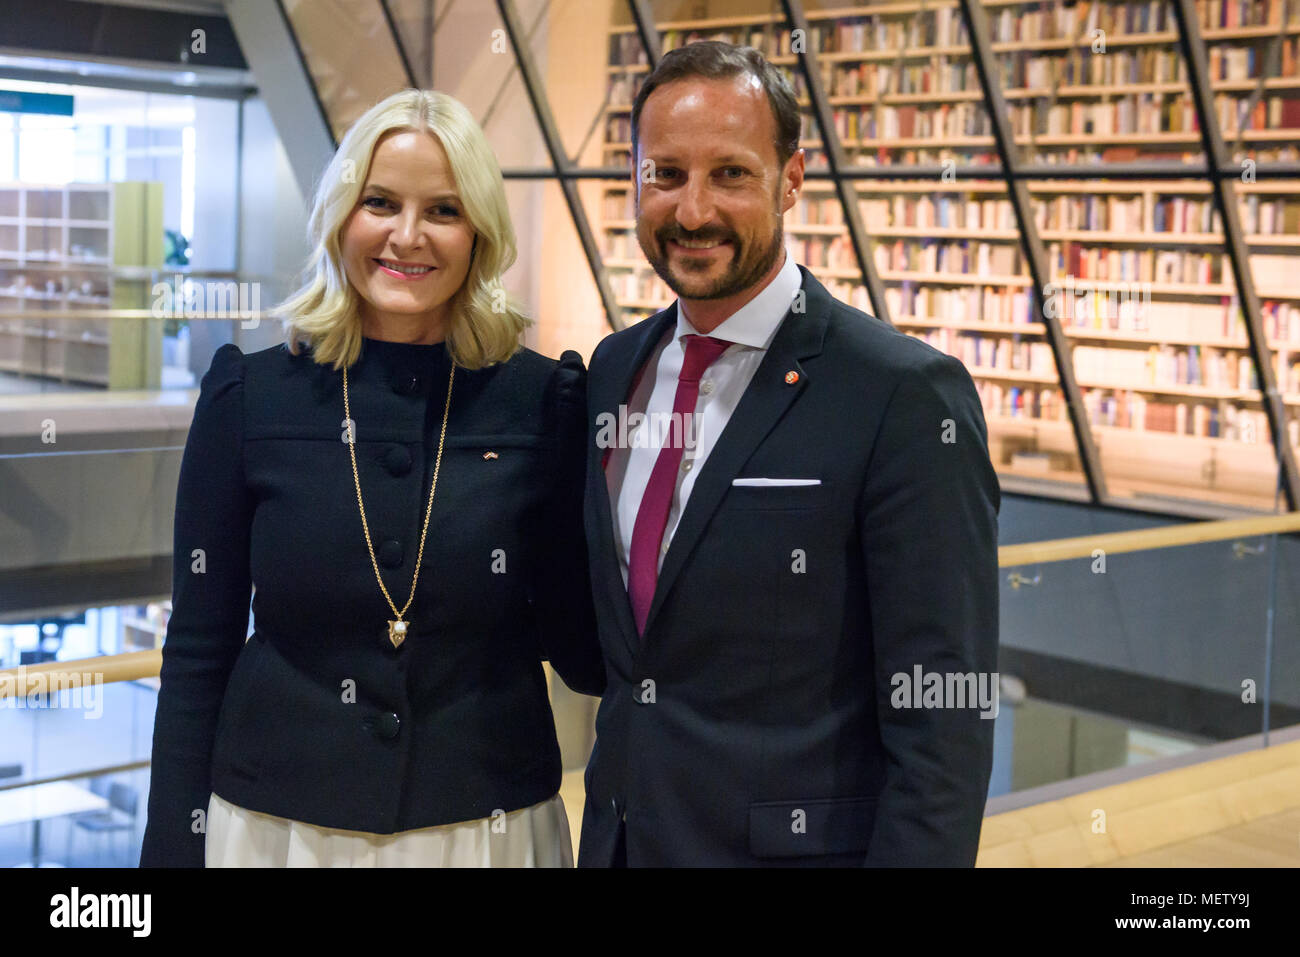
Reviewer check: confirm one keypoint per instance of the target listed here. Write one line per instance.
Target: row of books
(1246, 13)
(1136, 265)
(940, 74)
(1130, 113)
(766, 38)
(961, 256)
(1270, 216)
(640, 284)
(968, 118)
(1020, 402)
(816, 212)
(623, 88)
(1168, 365)
(943, 210)
(1126, 409)
(1269, 112)
(1003, 353)
(620, 244)
(1062, 22)
(1164, 213)
(941, 27)
(1030, 69)
(1242, 62)
(912, 300)
(822, 252)
(1281, 320)
(1124, 213)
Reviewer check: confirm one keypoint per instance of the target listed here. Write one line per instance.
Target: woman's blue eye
(374, 199)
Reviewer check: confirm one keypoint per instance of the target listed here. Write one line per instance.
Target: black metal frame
(559, 159)
(836, 161)
(1031, 245)
(1014, 173)
(1225, 197)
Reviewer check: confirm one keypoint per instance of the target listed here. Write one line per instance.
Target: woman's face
(406, 247)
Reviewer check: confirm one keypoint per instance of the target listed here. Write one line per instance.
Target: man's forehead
(744, 90)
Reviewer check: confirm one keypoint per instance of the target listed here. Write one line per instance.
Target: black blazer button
(386, 726)
(390, 554)
(398, 460)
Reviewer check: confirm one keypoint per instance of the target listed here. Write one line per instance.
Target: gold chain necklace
(397, 627)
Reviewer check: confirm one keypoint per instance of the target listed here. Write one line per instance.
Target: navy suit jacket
(752, 723)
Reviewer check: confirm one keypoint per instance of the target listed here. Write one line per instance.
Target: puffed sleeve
(562, 592)
(210, 602)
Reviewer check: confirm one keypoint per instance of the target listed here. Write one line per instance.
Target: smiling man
(832, 524)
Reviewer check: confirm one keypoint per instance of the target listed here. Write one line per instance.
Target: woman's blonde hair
(484, 321)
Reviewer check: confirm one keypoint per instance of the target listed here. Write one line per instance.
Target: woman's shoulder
(532, 366)
(551, 380)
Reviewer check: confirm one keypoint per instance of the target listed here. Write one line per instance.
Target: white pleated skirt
(536, 836)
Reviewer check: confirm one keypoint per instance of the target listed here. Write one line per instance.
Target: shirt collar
(755, 323)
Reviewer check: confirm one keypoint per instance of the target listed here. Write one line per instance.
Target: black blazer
(752, 723)
(317, 717)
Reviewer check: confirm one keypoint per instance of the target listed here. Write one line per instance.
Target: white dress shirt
(751, 328)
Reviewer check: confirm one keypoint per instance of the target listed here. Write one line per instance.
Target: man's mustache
(705, 235)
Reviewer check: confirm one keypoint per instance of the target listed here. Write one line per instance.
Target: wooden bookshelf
(1157, 342)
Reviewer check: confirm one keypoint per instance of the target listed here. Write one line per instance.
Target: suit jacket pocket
(809, 828)
(779, 497)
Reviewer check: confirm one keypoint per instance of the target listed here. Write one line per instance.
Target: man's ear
(792, 180)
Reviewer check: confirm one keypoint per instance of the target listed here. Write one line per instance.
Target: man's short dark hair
(715, 60)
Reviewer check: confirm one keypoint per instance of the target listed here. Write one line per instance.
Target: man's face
(710, 189)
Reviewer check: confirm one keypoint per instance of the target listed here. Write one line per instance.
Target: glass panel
(474, 62)
(350, 53)
(88, 726)
(1107, 663)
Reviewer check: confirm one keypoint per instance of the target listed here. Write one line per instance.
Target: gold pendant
(396, 632)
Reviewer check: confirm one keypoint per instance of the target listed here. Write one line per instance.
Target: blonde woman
(402, 483)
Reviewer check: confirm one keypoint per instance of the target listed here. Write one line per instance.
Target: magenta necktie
(652, 516)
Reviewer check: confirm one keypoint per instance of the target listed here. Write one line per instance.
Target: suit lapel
(766, 399)
(611, 391)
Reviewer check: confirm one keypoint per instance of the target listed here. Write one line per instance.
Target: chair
(117, 817)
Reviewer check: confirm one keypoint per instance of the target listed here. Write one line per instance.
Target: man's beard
(739, 275)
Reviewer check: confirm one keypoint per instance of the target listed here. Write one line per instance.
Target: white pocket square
(774, 482)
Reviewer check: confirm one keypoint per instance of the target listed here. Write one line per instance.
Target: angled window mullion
(559, 159)
(646, 30)
(1032, 245)
(397, 42)
(844, 188)
(1225, 197)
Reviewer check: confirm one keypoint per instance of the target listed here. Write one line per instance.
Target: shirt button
(664, 548)
(686, 466)
(706, 386)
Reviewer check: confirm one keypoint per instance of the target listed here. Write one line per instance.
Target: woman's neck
(410, 330)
